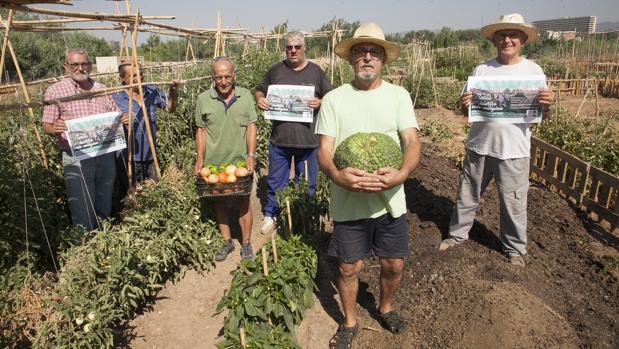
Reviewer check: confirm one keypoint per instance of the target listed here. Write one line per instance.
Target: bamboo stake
(243, 339)
(95, 16)
(89, 95)
(130, 140)
(265, 265)
(274, 245)
(306, 171)
(5, 42)
(26, 96)
(289, 215)
(134, 64)
(582, 102)
(597, 100)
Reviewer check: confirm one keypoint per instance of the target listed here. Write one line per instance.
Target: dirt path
(183, 315)
(467, 297)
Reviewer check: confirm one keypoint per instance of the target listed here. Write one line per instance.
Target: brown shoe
(517, 260)
(446, 244)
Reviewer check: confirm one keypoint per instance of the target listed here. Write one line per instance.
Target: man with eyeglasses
(290, 139)
(226, 120)
(142, 159)
(89, 183)
(499, 150)
(368, 209)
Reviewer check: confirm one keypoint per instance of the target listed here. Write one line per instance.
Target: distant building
(582, 25)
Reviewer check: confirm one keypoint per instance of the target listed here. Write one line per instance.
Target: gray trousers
(89, 184)
(512, 180)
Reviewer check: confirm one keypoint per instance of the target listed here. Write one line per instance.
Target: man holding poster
(89, 181)
(499, 148)
(289, 137)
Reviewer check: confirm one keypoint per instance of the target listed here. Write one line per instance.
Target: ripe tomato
(222, 177)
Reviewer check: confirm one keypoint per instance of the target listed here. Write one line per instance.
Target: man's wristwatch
(252, 154)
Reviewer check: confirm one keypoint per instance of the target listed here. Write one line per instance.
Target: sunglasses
(374, 52)
(296, 47)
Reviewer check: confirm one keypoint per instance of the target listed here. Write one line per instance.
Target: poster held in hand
(506, 99)
(95, 135)
(290, 103)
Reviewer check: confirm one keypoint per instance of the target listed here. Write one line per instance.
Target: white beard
(366, 75)
(80, 77)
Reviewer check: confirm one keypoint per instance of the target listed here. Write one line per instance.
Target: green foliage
(42, 54)
(437, 131)
(591, 140)
(422, 93)
(261, 336)
(306, 210)
(110, 273)
(456, 63)
(282, 296)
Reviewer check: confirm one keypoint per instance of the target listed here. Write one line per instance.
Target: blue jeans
(89, 184)
(280, 159)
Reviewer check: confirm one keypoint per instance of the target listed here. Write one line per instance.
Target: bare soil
(466, 297)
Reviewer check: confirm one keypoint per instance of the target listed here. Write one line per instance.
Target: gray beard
(366, 76)
(80, 77)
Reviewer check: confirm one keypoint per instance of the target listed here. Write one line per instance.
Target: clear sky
(392, 15)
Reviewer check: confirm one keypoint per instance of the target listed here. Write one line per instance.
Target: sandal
(392, 321)
(342, 339)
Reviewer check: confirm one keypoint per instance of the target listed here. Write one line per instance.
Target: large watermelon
(368, 152)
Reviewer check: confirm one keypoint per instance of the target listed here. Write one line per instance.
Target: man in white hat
(368, 209)
(499, 150)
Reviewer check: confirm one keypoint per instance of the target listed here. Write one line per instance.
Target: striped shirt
(74, 109)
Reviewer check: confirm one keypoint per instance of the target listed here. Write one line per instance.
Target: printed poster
(290, 103)
(95, 135)
(506, 99)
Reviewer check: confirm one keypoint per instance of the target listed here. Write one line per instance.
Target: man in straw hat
(499, 150)
(368, 209)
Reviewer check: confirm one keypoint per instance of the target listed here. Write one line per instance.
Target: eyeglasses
(505, 35)
(78, 65)
(296, 47)
(375, 52)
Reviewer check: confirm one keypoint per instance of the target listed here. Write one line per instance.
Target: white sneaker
(268, 224)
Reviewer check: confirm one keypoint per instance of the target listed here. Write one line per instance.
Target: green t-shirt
(345, 111)
(226, 126)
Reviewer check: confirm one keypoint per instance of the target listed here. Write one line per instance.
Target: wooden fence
(608, 87)
(588, 187)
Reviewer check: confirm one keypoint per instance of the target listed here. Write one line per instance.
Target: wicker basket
(241, 187)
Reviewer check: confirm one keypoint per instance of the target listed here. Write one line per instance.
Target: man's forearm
(251, 138)
(200, 145)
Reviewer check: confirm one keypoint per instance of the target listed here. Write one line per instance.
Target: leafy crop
(279, 298)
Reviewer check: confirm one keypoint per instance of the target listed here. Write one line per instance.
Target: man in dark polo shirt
(290, 139)
(226, 116)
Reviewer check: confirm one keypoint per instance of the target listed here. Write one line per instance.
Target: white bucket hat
(368, 33)
(512, 21)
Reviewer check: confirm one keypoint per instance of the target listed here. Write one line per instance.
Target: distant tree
(445, 38)
(153, 40)
(42, 54)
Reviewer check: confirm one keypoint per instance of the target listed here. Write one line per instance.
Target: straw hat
(368, 33)
(512, 21)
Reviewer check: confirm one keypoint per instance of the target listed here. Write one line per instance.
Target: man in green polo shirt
(225, 116)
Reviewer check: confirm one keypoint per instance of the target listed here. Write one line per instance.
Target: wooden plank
(604, 177)
(604, 195)
(566, 189)
(602, 212)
